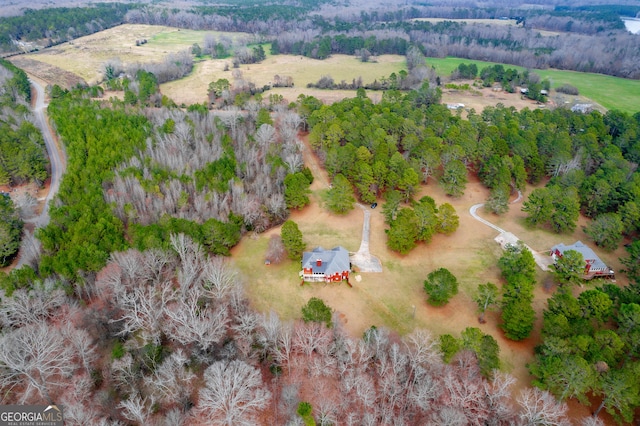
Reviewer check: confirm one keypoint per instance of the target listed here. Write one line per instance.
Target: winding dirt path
(57, 157)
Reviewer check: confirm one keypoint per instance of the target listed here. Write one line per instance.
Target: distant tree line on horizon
(57, 25)
(590, 39)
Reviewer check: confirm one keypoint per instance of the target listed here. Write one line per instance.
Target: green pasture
(610, 92)
(186, 38)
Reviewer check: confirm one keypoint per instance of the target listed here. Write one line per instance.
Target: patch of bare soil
(47, 72)
(481, 97)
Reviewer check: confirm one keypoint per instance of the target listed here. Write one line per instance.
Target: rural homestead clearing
(393, 298)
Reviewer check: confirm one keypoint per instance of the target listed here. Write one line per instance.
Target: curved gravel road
(505, 237)
(56, 157)
(57, 161)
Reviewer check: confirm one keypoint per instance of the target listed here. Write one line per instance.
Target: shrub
(568, 89)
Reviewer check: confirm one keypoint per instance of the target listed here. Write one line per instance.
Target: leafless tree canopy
(256, 192)
(181, 345)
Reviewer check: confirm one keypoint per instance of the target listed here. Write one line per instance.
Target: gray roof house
(594, 266)
(326, 265)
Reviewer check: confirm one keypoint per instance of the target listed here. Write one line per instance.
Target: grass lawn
(610, 92)
(186, 38)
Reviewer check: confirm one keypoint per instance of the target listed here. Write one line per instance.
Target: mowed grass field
(610, 92)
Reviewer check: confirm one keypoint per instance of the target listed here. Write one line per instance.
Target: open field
(86, 56)
(193, 88)
(610, 92)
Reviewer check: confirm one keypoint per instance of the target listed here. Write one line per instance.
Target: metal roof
(334, 261)
(589, 255)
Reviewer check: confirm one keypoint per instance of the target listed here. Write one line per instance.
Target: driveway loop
(504, 238)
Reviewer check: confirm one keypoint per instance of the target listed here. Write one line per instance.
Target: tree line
(22, 157)
(57, 25)
(589, 40)
(22, 150)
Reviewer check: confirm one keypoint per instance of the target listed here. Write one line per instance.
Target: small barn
(326, 265)
(594, 267)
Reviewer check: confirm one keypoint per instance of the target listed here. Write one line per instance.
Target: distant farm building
(326, 265)
(583, 108)
(593, 268)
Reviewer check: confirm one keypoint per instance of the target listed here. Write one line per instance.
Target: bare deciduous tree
(32, 356)
(172, 382)
(265, 135)
(233, 394)
(498, 396)
(40, 304)
(189, 322)
(142, 310)
(192, 259)
(275, 250)
(540, 408)
(137, 409)
(218, 279)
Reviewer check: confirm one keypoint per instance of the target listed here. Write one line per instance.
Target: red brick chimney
(318, 262)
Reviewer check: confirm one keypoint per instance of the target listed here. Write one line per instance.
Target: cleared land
(388, 298)
(86, 56)
(479, 98)
(610, 92)
(193, 88)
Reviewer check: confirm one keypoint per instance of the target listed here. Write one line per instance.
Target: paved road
(505, 237)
